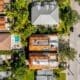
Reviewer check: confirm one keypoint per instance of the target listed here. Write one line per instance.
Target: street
(74, 72)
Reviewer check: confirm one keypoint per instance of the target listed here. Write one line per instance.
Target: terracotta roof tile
(36, 60)
(5, 41)
(43, 43)
(1, 2)
(1, 8)
(2, 23)
(1, 5)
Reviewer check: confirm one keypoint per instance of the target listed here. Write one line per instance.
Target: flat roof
(45, 72)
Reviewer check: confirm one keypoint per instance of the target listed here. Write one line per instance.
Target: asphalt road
(74, 71)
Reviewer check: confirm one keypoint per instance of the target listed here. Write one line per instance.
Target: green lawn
(29, 75)
(59, 75)
(62, 76)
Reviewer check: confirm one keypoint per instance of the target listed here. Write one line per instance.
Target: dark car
(79, 35)
(72, 29)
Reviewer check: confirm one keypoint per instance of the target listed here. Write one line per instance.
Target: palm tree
(65, 52)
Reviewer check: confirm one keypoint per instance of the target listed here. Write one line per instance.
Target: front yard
(60, 74)
(29, 75)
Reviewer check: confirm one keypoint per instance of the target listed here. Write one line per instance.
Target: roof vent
(38, 5)
(46, 5)
(52, 5)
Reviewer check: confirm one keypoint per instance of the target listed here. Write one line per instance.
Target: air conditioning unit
(16, 46)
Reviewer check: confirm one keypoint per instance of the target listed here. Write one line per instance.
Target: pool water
(17, 39)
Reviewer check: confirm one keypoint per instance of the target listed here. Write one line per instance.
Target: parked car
(72, 29)
(79, 35)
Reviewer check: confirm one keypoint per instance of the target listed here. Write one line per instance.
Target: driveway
(74, 71)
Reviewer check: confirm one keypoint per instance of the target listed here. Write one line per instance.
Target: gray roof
(45, 75)
(41, 77)
(46, 13)
(44, 72)
(45, 78)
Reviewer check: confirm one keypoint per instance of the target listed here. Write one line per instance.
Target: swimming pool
(16, 38)
(15, 41)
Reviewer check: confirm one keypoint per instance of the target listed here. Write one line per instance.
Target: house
(4, 74)
(5, 38)
(4, 57)
(5, 41)
(45, 13)
(45, 75)
(42, 51)
(4, 25)
(43, 43)
(3, 4)
(9, 41)
(43, 61)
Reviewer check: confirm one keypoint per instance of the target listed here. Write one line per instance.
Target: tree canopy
(18, 15)
(65, 51)
(68, 18)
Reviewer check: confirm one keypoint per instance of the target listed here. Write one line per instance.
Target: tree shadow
(29, 10)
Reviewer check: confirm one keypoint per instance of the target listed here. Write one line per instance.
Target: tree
(18, 15)
(46, 30)
(78, 1)
(68, 18)
(63, 3)
(65, 51)
(18, 59)
(18, 66)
